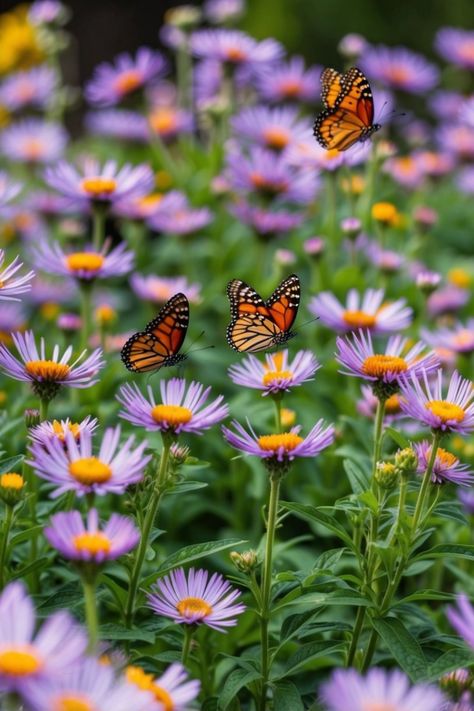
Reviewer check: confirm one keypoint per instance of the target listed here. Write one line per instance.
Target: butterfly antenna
(305, 323)
(195, 341)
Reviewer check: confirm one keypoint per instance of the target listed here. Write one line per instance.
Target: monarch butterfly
(349, 110)
(158, 345)
(258, 325)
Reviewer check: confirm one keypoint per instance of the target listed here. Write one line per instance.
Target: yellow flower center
(276, 138)
(11, 480)
(384, 212)
(459, 277)
(19, 661)
(359, 319)
(149, 202)
(446, 410)
(105, 314)
(33, 149)
(398, 75)
(235, 54)
(378, 365)
(49, 310)
(73, 703)
(466, 51)
(267, 185)
(465, 337)
(274, 375)
(128, 81)
(406, 164)
(144, 681)
(88, 261)
(161, 292)
(163, 697)
(25, 90)
(287, 440)
(47, 370)
(288, 417)
(93, 543)
(163, 121)
(378, 706)
(173, 415)
(331, 155)
(98, 186)
(193, 607)
(60, 432)
(392, 405)
(90, 470)
(446, 458)
(290, 88)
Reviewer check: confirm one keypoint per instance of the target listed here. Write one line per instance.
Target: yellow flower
(354, 185)
(105, 314)
(459, 277)
(288, 417)
(385, 212)
(19, 44)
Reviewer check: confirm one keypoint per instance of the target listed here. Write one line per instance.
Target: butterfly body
(259, 325)
(159, 344)
(348, 110)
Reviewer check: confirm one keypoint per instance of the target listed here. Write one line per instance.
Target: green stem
(420, 504)
(359, 623)
(183, 71)
(378, 432)
(277, 401)
(43, 408)
(369, 187)
(4, 544)
(267, 584)
(32, 482)
(86, 314)
(150, 516)
(188, 636)
(92, 619)
(99, 213)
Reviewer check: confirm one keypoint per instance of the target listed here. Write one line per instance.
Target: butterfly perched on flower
(259, 325)
(348, 110)
(159, 344)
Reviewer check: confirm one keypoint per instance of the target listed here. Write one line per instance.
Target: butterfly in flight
(259, 325)
(348, 110)
(159, 344)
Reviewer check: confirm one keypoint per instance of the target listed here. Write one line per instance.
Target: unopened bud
(386, 475)
(11, 488)
(184, 17)
(179, 452)
(245, 562)
(32, 418)
(406, 461)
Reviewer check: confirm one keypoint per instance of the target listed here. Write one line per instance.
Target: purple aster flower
(196, 599)
(48, 205)
(352, 45)
(368, 403)
(33, 140)
(387, 260)
(85, 265)
(32, 88)
(46, 292)
(368, 311)
(358, 358)
(269, 175)
(172, 689)
(208, 78)
(47, 431)
(399, 68)
(10, 285)
(265, 222)
(26, 655)
(447, 467)
(314, 246)
(273, 128)
(379, 689)
(159, 290)
(456, 46)
(89, 542)
(457, 140)
(435, 164)
(280, 449)
(94, 182)
(458, 338)
(118, 123)
(112, 83)
(235, 48)
(71, 466)
(309, 154)
(47, 12)
(466, 112)
(221, 11)
(182, 407)
(47, 375)
(465, 180)
(424, 401)
(406, 171)
(446, 104)
(277, 374)
(174, 215)
(427, 282)
(88, 685)
(447, 300)
(466, 497)
(69, 323)
(138, 208)
(167, 122)
(289, 81)
(425, 217)
(462, 619)
(9, 189)
(12, 318)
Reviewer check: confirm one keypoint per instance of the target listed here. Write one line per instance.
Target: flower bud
(11, 488)
(32, 418)
(406, 461)
(386, 475)
(245, 562)
(184, 17)
(179, 453)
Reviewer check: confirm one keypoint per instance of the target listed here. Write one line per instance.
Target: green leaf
(369, 499)
(449, 661)
(397, 437)
(234, 683)
(448, 550)
(358, 477)
(37, 565)
(184, 487)
(404, 647)
(293, 623)
(25, 535)
(424, 595)
(286, 696)
(307, 653)
(316, 515)
(67, 596)
(119, 633)
(11, 464)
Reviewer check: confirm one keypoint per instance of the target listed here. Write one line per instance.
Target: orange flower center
(97, 185)
(378, 365)
(398, 75)
(149, 202)
(25, 90)
(163, 121)
(466, 50)
(235, 54)
(446, 410)
(267, 185)
(330, 155)
(136, 675)
(392, 405)
(21, 660)
(193, 607)
(172, 415)
(277, 138)
(384, 212)
(33, 149)
(128, 81)
(275, 375)
(287, 440)
(90, 470)
(378, 706)
(446, 458)
(92, 543)
(11, 480)
(73, 703)
(290, 88)
(60, 432)
(465, 337)
(88, 261)
(359, 319)
(47, 370)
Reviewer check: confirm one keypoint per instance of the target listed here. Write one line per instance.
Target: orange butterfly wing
(159, 344)
(331, 87)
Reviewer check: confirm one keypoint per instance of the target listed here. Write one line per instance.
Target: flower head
(112, 83)
(24, 655)
(85, 265)
(10, 285)
(458, 338)
(158, 290)
(118, 123)
(47, 431)
(277, 373)
(47, 375)
(425, 401)
(71, 466)
(289, 81)
(447, 467)
(447, 300)
(175, 215)
(265, 222)
(196, 599)
(33, 140)
(456, 46)
(234, 48)
(368, 311)
(221, 11)
(379, 690)
(172, 689)
(399, 68)
(168, 122)
(9, 189)
(462, 619)
(368, 403)
(182, 407)
(90, 543)
(32, 88)
(272, 128)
